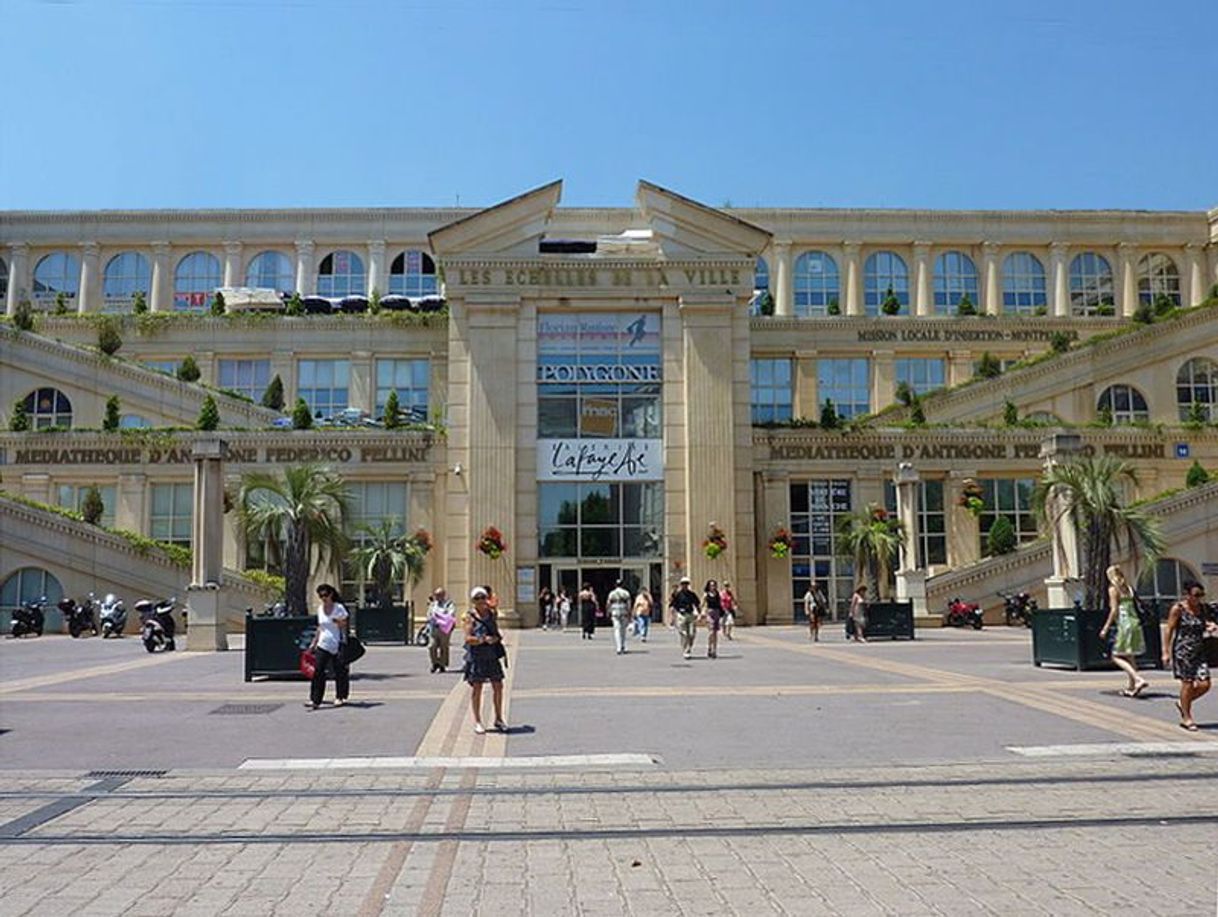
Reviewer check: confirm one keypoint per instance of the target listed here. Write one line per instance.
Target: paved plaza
(941, 776)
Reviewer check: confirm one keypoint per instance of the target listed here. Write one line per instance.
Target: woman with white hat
(483, 652)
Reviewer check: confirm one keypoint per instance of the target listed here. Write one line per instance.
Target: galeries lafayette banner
(600, 460)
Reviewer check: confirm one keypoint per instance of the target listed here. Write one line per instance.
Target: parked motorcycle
(30, 618)
(1018, 608)
(80, 617)
(157, 624)
(962, 614)
(113, 616)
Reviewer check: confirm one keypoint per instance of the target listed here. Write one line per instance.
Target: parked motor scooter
(29, 618)
(962, 614)
(157, 624)
(80, 617)
(113, 616)
(1019, 608)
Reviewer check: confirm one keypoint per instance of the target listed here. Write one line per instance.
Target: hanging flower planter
(491, 543)
(970, 497)
(715, 542)
(780, 543)
(422, 541)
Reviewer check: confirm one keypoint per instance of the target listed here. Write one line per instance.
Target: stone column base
(205, 631)
(911, 587)
(1061, 591)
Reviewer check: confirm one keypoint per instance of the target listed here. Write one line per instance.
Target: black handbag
(1146, 616)
(352, 649)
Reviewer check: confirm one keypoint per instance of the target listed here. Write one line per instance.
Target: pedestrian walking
(1184, 648)
(441, 619)
(564, 607)
(545, 608)
(1129, 642)
(729, 609)
(816, 604)
(712, 604)
(589, 608)
(483, 652)
(619, 612)
(684, 606)
(643, 605)
(858, 613)
(327, 649)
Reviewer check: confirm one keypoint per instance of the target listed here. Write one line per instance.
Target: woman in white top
(327, 648)
(564, 608)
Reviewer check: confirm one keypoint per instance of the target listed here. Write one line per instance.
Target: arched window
(1124, 403)
(817, 285)
(1091, 285)
(955, 278)
(3, 278)
(1023, 284)
(126, 274)
(271, 271)
(48, 407)
(341, 274)
(1197, 383)
(413, 273)
(1165, 583)
(133, 422)
(28, 585)
(196, 279)
(761, 289)
(881, 272)
(1157, 276)
(58, 272)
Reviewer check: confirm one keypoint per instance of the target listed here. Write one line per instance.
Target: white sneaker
(688, 655)
(479, 729)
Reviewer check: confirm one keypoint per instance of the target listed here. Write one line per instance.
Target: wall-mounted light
(457, 469)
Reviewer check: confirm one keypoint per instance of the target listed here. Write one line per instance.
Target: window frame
(815, 290)
(844, 409)
(334, 285)
(1025, 286)
(1158, 273)
(1208, 389)
(68, 265)
(1130, 395)
(58, 416)
(1090, 283)
(876, 282)
(309, 392)
(258, 264)
(766, 401)
(955, 274)
(119, 289)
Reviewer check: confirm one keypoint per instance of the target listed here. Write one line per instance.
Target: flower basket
(491, 543)
(715, 542)
(780, 544)
(422, 541)
(970, 497)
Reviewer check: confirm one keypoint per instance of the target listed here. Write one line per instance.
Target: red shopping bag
(308, 664)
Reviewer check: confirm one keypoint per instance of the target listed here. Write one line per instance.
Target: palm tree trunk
(296, 571)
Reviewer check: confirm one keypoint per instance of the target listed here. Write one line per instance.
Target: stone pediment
(685, 229)
(510, 228)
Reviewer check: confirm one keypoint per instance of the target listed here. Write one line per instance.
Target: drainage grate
(1161, 754)
(245, 709)
(98, 775)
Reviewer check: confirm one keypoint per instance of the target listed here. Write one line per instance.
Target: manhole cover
(96, 775)
(245, 709)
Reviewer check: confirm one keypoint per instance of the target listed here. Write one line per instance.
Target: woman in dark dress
(587, 611)
(483, 650)
(712, 601)
(1184, 649)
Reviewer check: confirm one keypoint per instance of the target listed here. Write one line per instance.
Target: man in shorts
(685, 606)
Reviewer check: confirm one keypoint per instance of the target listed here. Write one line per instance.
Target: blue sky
(261, 103)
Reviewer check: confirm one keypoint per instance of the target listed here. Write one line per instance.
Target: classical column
(421, 514)
(232, 265)
(37, 486)
(129, 502)
(963, 529)
(1061, 585)
(883, 383)
(376, 267)
(923, 302)
(89, 298)
(1195, 292)
(306, 278)
(784, 296)
(992, 277)
(853, 269)
(959, 367)
(911, 578)
(18, 275)
(161, 299)
(807, 403)
(204, 595)
(1058, 251)
(776, 606)
(283, 366)
(362, 394)
(1212, 277)
(1127, 257)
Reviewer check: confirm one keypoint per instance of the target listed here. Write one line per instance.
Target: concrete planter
(1071, 637)
(273, 645)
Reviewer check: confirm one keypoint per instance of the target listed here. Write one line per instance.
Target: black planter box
(1070, 637)
(273, 645)
(890, 619)
(374, 624)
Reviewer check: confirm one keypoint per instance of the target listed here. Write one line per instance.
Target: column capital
(1128, 249)
(852, 248)
(232, 248)
(160, 249)
(1059, 249)
(782, 246)
(921, 249)
(90, 249)
(376, 246)
(991, 249)
(305, 246)
(1196, 248)
(906, 473)
(19, 249)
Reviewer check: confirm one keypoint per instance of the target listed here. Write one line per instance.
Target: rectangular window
(411, 379)
(1010, 497)
(921, 374)
(72, 496)
(602, 520)
(170, 518)
(168, 367)
(323, 384)
(847, 383)
(817, 508)
(932, 520)
(246, 377)
(770, 390)
(371, 502)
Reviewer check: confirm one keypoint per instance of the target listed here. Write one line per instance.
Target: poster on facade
(600, 460)
(598, 332)
(598, 417)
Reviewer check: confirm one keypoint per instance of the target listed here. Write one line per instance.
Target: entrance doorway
(602, 579)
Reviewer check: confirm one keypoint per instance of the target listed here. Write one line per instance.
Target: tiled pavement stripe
(374, 902)
(97, 671)
(446, 854)
(348, 765)
(57, 807)
(1132, 749)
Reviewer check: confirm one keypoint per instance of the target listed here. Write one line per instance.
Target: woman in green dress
(1129, 642)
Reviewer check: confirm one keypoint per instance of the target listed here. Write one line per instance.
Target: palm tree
(305, 513)
(385, 557)
(872, 539)
(1089, 491)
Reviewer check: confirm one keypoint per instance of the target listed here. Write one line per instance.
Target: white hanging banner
(600, 460)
